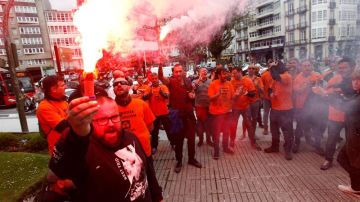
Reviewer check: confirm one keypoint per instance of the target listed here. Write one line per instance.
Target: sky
(63, 4)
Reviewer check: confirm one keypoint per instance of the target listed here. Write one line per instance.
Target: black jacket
(101, 174)
(351, 106)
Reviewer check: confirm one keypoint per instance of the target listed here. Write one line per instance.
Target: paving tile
(249, 175)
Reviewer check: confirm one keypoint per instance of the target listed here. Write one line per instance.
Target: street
(10, 122)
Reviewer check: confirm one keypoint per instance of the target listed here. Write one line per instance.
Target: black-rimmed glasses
(104, 121)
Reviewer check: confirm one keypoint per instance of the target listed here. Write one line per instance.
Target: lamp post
(11, 53)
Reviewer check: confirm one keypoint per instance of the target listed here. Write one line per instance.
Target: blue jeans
(334, 129)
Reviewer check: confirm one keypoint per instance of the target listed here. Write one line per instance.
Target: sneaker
(228, 150)
(349, 190)
(326, 165)
(295, 148)
(288, 156)
(271, 150)
(195, 163)
(256, 146)
(178, 167)
(153, 151)
(265, 131)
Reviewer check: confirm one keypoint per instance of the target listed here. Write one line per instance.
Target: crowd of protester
(115, 161)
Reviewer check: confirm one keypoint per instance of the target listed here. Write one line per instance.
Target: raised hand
(80, 113)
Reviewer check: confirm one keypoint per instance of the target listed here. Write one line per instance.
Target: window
(317, 33)
(25, 9)
(291, 36)
(27, 19)
(26, 1)
(31, 41)
(29, 30)
(29, 51)
(303, 35)
(291, 21)
(302, 18)
(35, 62)
(291, 7)
(313, 16)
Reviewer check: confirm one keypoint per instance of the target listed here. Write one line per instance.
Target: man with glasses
(105, 162)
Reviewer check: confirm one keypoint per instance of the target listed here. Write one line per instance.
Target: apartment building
(27, 29)
(266, 30)
(321, 28)
(64, 35)
(297, 29)
(242, 39)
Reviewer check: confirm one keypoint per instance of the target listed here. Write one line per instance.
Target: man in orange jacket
(51, 112)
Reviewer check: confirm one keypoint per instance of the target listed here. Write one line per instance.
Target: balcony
(290, 12)
(264, 13)
(332, 5)
(301, 25)
(290, 28)
(302, 9)
(266, 24)
(241, 50)
(241, 38)
(332, 22)
(302, 41)
(331, 39)
(296, 42)
(290, 43)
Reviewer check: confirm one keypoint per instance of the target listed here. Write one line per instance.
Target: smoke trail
(127, 26)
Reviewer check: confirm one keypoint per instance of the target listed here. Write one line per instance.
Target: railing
(302, 9)
(290, 27)
(301, 25)
(296, 42)
(290, 12)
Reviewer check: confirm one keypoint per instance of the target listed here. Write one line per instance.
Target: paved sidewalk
(250, 175)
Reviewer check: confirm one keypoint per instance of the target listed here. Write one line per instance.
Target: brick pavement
(250, 175)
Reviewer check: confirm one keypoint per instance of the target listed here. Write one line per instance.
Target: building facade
(297, 29)
(242, 39)
(64, 35)
(27, 29)
(327, 28)
(266, 30)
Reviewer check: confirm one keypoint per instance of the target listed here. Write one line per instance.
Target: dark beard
(123, 101)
